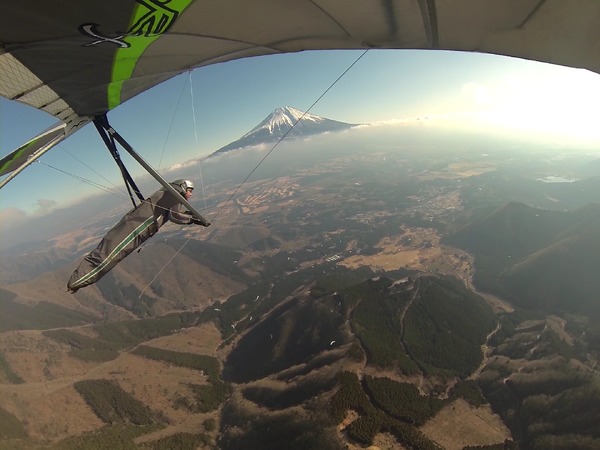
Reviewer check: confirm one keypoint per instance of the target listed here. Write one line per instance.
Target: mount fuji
(279, 122)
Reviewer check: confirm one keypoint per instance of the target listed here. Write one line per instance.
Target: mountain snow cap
(284, 118)
(278, 125)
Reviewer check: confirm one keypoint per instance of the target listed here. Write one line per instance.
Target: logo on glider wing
(151, 18)
(89, 29)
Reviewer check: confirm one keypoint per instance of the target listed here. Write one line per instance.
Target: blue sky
(462, 89)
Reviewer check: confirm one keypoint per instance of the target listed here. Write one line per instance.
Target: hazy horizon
(405, 136)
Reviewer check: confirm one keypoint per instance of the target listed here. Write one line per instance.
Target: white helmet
(184, 185)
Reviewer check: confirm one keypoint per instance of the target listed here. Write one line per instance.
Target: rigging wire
(106, 189)
(117, 188)
(201, 185)
(99, 186)
(163, 268)
(171, 125)
(197, 143)
(257, 165)
(286, 133)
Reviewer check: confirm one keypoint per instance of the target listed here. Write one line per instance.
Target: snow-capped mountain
(279, 122)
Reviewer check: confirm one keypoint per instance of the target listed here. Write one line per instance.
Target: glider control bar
(102, 125)
(103, 121)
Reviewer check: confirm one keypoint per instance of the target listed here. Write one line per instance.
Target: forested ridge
(429, 325)
(307, 326)
(540, 386)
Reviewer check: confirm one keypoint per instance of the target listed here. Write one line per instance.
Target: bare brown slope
(168, 275)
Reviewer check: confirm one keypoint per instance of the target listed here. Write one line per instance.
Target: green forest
(113, 405)
(440, 334)
(354, 394)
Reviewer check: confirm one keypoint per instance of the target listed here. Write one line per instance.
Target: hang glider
(80, 59)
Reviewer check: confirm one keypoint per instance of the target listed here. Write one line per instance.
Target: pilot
(137, 226)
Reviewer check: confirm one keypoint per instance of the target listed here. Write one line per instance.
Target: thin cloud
(183, 165)
(45, 205)
(13, 217)
(9, 216)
